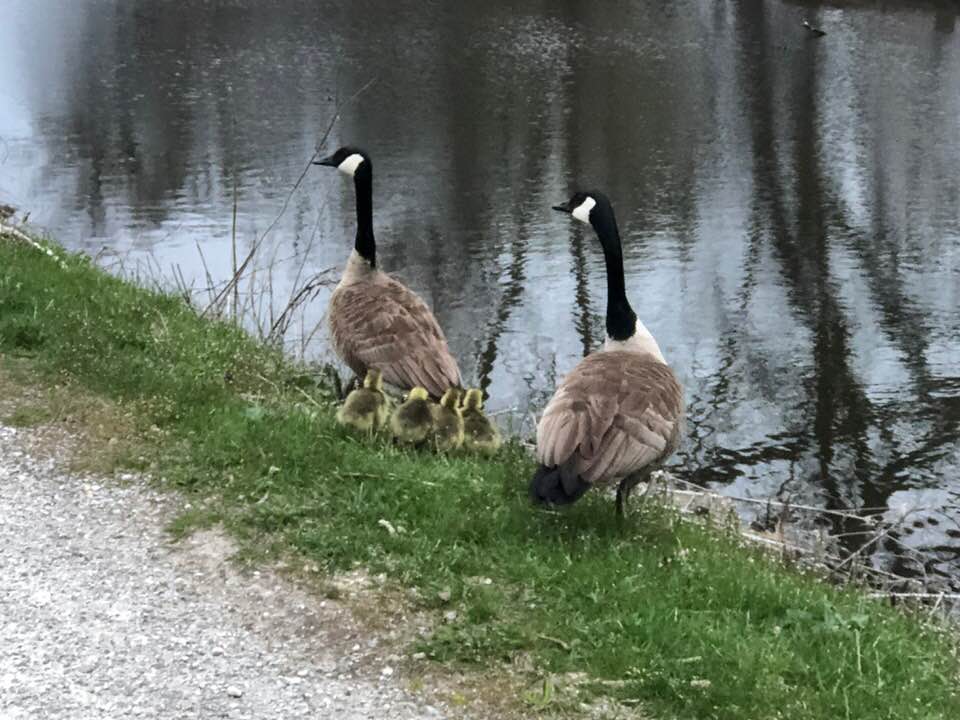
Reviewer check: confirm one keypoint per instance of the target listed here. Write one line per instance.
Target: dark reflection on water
(789, 205)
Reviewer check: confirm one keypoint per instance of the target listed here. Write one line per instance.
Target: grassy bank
(679, 618)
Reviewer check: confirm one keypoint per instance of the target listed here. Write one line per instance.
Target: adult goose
(619, 413)
(376, 321)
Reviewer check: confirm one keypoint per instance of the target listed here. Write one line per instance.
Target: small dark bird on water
(817, 32)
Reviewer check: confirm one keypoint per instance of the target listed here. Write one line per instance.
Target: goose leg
(651, 484)
(626, 487)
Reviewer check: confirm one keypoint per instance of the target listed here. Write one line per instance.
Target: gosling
(412, 422)
(479, 434)
(448, 422)
(366, 408)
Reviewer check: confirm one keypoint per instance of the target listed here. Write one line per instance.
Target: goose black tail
(553, 486)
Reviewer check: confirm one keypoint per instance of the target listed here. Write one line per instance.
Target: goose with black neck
(376, 322)
(618, 415)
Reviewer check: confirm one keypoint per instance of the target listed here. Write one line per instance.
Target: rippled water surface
(790, 206)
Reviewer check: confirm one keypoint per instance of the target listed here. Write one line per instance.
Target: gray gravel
(101, 617)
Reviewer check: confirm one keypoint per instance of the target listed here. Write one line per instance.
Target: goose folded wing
(613, 414)
(388, 327)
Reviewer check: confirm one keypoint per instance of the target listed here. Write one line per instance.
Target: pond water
(790, 205)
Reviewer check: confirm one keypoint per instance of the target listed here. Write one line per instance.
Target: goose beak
(562, 208)
(328, 161)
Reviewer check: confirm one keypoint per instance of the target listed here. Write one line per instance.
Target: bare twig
(305, 293)
(206, 268)
(23, 237)
(310, 398)
(233, 248)
(920, 595)
(794, 506)
(320, 145)
(565, 646)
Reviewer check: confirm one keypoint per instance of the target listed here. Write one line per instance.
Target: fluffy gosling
(448, 422)
(412, 422)
(479, 434)
(366, 408)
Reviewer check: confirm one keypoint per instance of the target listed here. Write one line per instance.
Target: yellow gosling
(366, 409)
(448, 422)
(412, 422)
(479, 433)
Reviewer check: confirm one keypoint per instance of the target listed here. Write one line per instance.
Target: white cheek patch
(350, 164)
(582, 211)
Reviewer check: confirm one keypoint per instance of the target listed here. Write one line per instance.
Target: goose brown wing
(613, 414)
(384, 325)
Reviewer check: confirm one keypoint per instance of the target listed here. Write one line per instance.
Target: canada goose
(619, 413)
(479, 434)
(412, 422)
(448, 422)
(376, 321)
(817, 32)
(366, 408)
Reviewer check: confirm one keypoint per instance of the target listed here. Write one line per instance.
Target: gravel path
(101, 617)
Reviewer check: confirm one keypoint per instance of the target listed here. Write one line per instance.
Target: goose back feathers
(377, 322)
(614, 414)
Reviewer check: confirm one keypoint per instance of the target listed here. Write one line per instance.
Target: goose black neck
(365, 243)
(621, 320)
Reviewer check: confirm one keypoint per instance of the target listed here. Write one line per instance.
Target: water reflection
(789, 204)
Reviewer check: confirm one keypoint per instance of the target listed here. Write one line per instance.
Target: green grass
(678, 617)
(28, 416)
